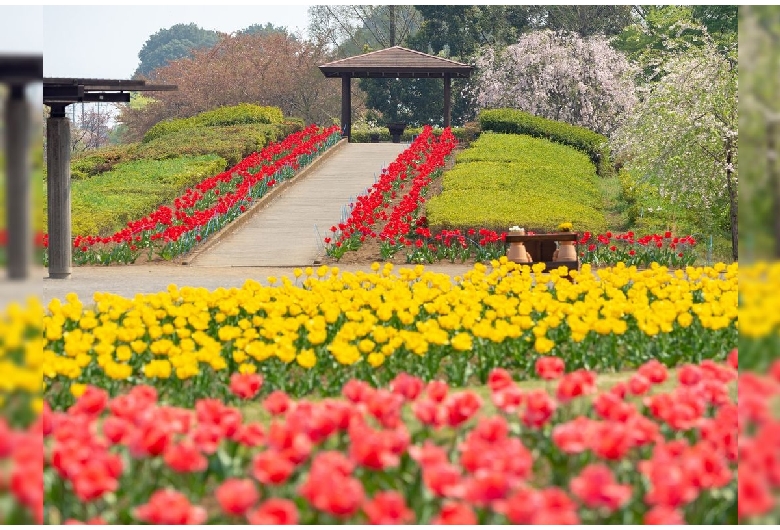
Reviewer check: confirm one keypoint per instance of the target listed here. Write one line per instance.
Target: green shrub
(242, 114)
(515, 121)
(104, 203)
(231, 143)
(504, 180)
(363, 135)
(91, 163)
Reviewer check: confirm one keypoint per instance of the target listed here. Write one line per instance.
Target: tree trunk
(773, 173)
(732, 200)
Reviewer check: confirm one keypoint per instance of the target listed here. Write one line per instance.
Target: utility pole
(392, 25)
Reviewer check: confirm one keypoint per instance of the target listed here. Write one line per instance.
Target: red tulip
(549, 368)
(455, 513)
(236, 496)
(245, 386)
(388, 507)
(274, 512)
(169, 507)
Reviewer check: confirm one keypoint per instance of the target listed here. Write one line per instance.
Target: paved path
(285, 233)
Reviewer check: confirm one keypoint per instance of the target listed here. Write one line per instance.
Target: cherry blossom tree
(683, 136)
(560, 76)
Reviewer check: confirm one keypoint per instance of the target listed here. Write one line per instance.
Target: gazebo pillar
(346, 106)
(447, 100)
(17, 137)
(58, 191)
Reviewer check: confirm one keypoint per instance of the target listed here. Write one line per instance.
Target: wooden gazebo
(395, 62)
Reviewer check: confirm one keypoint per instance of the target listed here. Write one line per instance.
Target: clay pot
(517, 253)
(566, 251)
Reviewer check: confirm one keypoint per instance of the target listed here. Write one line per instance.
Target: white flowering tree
(559, 76)
(683, 136)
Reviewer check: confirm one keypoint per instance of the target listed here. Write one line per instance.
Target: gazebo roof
(396, 62)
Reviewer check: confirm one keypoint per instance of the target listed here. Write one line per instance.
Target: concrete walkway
(285, 233)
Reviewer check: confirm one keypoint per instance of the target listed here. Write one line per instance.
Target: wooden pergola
(17, 72)
(395, 62)
(58, 93)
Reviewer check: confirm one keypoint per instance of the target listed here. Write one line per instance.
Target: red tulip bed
(405, 182)
(404, 227)
(665, 249)
(646, 450)
(207, 207)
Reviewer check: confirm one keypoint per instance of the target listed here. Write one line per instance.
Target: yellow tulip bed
(316, 331)
(759, 315)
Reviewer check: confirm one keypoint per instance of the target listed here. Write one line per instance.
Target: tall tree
(274, 69)
(351, 29)
(559, 76)
(759, 49)
(267, 29)
(176, 42)
(588, 20)
(461, 30)
(660, 33)
(683, 136)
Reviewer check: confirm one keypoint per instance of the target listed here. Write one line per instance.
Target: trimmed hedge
(101, 160)
(505, 180)
(514, 121)
(231, 143)
(363, 136)
(105, 203)
(242, 114)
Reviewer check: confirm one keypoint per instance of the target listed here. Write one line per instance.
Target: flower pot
(566, 251)
(517, 253)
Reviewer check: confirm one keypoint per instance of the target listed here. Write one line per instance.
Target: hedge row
(103, 204)
(514, 121)
(244, 113)
(233, 143)
(505, 180)
(382, 134)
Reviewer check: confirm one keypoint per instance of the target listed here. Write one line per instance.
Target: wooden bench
(542, 247)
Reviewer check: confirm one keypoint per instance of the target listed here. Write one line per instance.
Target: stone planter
(396, 130)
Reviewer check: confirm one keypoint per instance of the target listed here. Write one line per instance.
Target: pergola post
(447, 101)
(58, 93)
(58, 193)
(346, 106)
(20, 249)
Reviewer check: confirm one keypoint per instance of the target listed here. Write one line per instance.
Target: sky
(104, 41)
(20, 29)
